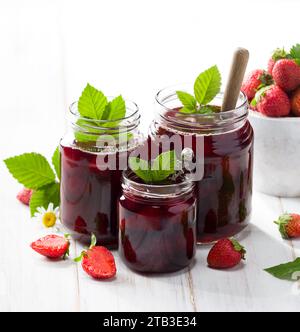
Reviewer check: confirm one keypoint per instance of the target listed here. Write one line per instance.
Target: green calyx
(206, 87)
(259, 95)
(279, 54)
(282, 222)
(238, 247)
(84, 252)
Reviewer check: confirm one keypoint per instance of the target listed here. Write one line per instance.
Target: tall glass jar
(93, 155)
(157, 225)
(225, 190)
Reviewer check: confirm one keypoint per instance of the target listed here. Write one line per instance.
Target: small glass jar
(157, 225)
(93, 155)
(225, 191)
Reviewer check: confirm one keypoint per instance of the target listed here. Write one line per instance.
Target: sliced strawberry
(52, 246)
(99, 263)
(24, 196)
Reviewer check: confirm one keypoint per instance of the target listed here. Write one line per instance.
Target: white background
(49, 50)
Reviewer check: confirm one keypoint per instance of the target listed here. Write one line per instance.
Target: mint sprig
(33, 171)
(94, 106)
(206, 87)
(288, 271)
(159, 170)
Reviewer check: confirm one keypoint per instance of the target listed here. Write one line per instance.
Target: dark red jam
(89, 196)
(157, 235)
(225, 192)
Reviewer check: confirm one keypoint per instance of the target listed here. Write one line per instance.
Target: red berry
(225, 254)
(286, 74)
(254, 80)
(289, 225)
(99, 263)
(295, 102)
(278, 54)
(24, 196)
(272, 101)
(52, 246)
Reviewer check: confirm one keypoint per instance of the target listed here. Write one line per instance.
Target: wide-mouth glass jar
(93, 155)
(157, 225)
(225, 191)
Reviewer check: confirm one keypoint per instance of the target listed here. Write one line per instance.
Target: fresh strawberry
(272, 101)
(24, 196)
(52, 246)
(295, 102)
(286, 74)
(225, 254)
(289, 225)
(278, 54)
(98, 262)
(254, 81)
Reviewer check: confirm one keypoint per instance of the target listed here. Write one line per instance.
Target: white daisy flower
(48, 217)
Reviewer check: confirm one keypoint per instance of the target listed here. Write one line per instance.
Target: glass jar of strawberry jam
(93, 155)
(226, 149)
(157, 224)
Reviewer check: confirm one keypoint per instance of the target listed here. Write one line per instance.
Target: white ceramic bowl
(276, 155)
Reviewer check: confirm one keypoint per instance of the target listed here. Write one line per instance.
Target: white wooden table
(49, 50)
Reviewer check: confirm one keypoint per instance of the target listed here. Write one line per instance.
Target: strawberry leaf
(288, 271)
(295, 51)
(56, 162)
(207, 85)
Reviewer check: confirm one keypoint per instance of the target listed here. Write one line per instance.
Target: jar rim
(156, 190)
(213, 123)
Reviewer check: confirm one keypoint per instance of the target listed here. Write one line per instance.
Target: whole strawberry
(272, 101)
(225, 254)
(289, 225)
(52, 246)
(98, 262)
(286, 74)
(24, 196)
(295, 102)
(254, 81)
(278, 54)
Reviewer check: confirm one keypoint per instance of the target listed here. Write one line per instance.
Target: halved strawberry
(52, 246)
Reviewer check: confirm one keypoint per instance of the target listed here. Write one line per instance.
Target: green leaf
(259, 94)
(42, 197)
(295, 51)
(56, 161)
(288, 271)
(141, 168)
(207, 85)
(79, 258)
(32, 170)
(117, 109)
(206, 110)
(188, 101)
(92, 103)
(187, 110)
(162, 167)
(238, 247)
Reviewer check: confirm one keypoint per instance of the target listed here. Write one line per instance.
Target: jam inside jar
(157, 225)
(225, 191)
(93, 156)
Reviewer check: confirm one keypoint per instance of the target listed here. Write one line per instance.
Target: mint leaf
(295, 51)
(42, 197)
(188, 101)
(288, 271)
(92, 103)
(141, 168)
(207, 85)
(56, 162)
(32, 170)
(162, 167)
(206, 110)
(187, 110)
(117, 109)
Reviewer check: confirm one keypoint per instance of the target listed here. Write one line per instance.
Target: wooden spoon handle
(236, 76)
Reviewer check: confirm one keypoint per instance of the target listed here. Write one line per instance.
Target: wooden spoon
(236, 76)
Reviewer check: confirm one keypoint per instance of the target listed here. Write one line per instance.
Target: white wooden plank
(32, 112)
(248, 287)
